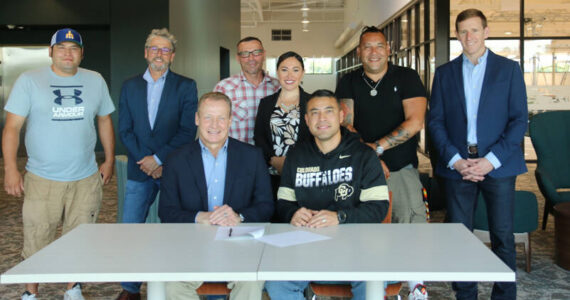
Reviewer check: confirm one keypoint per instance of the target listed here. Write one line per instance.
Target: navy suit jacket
(501, 118)
(183, 189)
(174, 125)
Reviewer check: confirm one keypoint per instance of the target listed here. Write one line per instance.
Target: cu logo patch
(343, 192)
(60, 97)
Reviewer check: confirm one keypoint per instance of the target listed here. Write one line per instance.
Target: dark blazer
(262, 130)
(174, 124)
(183, 189)
(502, 115)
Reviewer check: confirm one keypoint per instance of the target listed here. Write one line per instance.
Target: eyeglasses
(246, 54)
(154, 50)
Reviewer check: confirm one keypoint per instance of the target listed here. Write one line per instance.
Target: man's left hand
(478, 169)
(224, 216)
(148, 164)
(323, 218)
(106, 170)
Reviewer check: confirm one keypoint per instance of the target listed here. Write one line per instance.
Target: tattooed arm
(414, 111)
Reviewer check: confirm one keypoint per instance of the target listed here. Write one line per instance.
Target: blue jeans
(499, 196)
(294, 290)
(139, 196)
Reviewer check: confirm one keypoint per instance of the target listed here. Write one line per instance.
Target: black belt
(473, 151)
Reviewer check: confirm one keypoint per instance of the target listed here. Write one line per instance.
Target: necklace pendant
(373, 92)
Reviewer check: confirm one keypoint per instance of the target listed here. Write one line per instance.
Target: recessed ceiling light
(508, 33)
(305, 21)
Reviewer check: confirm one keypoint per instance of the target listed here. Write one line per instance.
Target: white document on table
(239, 232)
(292, 238)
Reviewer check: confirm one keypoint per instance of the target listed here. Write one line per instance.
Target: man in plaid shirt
(247, 88)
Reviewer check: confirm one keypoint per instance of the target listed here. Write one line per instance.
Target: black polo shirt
(377, 116)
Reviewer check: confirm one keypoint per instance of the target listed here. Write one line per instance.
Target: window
(321, 65)
(281, 34)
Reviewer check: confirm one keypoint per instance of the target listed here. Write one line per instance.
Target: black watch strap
(341, 216)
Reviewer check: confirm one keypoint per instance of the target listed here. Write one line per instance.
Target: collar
(148, 77)
(480, 60)
(389, 70)
(266, 78)
(204, 148)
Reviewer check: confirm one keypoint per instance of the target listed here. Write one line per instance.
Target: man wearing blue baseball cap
(62, 179)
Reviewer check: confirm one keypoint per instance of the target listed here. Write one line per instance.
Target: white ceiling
(254, 12)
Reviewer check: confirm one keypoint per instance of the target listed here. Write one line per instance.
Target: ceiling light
(305, 21)
(305, 7)
(508, 33)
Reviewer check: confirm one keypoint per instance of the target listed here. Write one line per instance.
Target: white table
(153, 253)
(157, 253)
(383, 252)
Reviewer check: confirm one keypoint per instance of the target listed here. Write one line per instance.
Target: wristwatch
(379, 149)
(241, 218)
(341, 216)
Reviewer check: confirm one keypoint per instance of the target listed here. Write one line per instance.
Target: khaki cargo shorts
(47, 202)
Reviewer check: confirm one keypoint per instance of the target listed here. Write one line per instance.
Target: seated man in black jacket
(331, 180)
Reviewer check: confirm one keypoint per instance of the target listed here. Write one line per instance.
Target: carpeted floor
(547, 281)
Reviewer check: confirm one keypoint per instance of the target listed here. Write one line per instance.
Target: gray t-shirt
(60, 111)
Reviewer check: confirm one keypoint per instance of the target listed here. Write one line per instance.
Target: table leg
(156, 290)
(374, 290)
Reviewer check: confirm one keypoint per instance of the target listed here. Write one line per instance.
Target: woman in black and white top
(280, 121)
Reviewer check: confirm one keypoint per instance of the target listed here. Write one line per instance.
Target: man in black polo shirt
(386, 104)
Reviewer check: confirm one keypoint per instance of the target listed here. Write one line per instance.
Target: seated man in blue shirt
(331, 180)
(215, 180)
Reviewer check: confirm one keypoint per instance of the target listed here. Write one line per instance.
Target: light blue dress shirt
(153, 94)
(473, 76)
(215, 174)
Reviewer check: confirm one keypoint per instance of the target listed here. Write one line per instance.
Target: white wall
(312, 83)
(318, 42)
(202, 27)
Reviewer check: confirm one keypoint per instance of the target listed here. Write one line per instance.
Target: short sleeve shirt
(377, 116)
(245, 100)
(60, 131)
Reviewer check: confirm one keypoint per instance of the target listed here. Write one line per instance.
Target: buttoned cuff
(493, 160)
(453, 160)
(157, 160)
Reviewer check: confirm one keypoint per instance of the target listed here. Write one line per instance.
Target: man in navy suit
(215, 180)
(478, 117)
(155, 117)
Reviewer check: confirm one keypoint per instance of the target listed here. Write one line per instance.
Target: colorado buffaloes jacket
(348, 179)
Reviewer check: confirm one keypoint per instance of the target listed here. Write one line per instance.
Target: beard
(157, 68)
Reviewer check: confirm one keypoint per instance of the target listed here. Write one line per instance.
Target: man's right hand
(302, 217)
(203, 217)
(13, 183)
(463, 166)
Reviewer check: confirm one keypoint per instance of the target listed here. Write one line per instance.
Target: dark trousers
(499, 195)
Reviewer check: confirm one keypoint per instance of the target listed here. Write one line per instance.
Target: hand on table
(224, 216)
(302, 217)
(323, 218)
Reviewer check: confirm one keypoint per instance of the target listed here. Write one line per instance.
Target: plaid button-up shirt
(245, 99)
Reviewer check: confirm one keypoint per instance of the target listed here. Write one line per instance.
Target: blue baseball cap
(66, 35)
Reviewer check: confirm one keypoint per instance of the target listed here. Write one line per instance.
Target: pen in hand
(230, 233)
